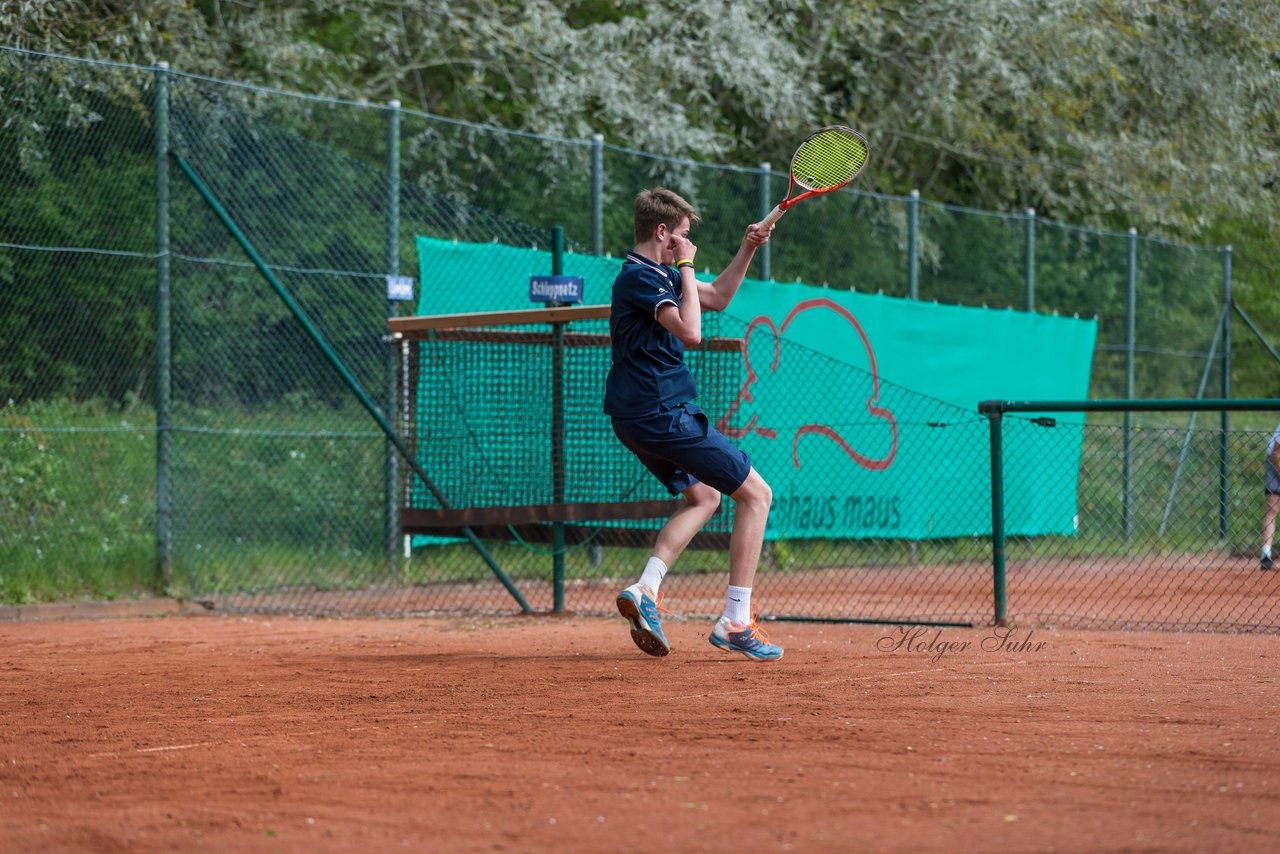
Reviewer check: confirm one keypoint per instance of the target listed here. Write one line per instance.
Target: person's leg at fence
(1269, 528)
(1273, 498)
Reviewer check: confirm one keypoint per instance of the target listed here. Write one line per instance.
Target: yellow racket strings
(829, 158)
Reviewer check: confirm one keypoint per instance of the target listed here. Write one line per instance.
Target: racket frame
(785, 205)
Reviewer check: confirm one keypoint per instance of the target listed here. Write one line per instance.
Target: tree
(1110, 113)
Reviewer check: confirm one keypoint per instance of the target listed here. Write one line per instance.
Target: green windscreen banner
(860, 410)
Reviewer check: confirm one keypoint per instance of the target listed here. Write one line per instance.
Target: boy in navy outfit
(657, 312)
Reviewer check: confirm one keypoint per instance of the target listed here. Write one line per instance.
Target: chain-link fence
(1166, 529)
(163, 407)
(505, 413)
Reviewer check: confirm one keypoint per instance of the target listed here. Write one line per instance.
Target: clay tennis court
(259, 733)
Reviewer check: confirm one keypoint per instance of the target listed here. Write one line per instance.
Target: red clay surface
(220, 733)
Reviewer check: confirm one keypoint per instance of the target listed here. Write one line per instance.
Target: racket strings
(830, 158)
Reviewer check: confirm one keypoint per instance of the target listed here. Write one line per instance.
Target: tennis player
(657, 312)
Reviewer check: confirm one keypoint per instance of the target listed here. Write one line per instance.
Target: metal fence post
(913, 246)
(995, 418)
(1224, 471)
(1130, 336)
(597, 194)
(390, 513)
(765, 204)
(557, 431)
(164, 342)
(1029, 275)
(913, 285)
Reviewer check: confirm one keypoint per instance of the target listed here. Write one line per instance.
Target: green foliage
(1255, 273)
(76, 502)
(1109, 111)
(291, 479)
(25, 487)
(85, 189)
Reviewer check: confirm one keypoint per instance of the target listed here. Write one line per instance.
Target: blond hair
(659, 206)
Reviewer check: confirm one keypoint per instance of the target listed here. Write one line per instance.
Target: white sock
(1266, 551)
(737, 605)
(654, 571)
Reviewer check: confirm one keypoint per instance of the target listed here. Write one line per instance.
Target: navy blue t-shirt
(648, 370)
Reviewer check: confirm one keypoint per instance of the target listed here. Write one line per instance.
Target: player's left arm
(717, 294)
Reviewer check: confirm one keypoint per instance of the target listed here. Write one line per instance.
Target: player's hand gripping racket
(828, 160)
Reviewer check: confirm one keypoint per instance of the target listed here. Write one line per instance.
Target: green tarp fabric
(859, 409)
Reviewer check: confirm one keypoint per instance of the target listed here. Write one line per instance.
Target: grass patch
(77, 517)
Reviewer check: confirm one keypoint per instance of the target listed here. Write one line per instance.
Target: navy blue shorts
(681, 448)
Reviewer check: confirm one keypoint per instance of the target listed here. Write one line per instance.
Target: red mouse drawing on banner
(875, 461)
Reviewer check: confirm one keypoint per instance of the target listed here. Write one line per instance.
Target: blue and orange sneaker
(636, 603)
(750, 640)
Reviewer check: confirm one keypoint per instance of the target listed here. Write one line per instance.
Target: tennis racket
(827, 160)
